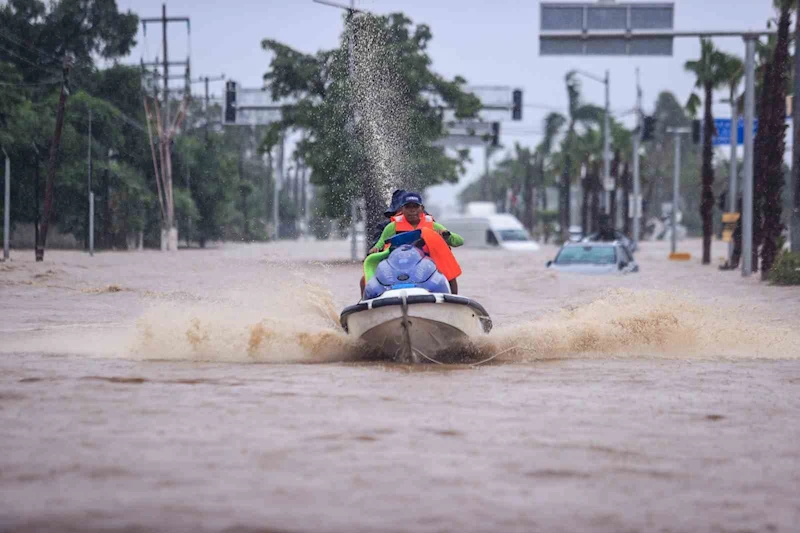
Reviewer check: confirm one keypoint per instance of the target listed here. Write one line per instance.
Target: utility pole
(795, 219)
(51, 168)
(166, 63)
(676, 183)
(90, 194)
(6, 207)
(166, 129)
(637, 185)
(207, 102)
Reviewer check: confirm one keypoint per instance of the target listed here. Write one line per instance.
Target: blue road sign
(723, 135)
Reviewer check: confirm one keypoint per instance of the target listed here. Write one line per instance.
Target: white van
(499, 230)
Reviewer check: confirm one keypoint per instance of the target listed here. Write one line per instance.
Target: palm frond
(693, 105)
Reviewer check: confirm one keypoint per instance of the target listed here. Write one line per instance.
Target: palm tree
(622, 144)
(710, 73)
(578, 113)
(588, 148)
(553, 123)
(772, 130)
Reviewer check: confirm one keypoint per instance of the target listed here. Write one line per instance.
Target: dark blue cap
(411, 198)
(394, 206)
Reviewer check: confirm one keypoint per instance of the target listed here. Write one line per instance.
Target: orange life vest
(401, 225)
(439, 251)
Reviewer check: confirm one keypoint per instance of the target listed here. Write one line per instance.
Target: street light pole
(637, 137)
(676, 184)
(732, 186)
(747, 178)
(607, 148)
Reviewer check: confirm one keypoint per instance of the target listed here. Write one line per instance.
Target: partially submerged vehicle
(594, 258)
(492, 231)
(408, 312)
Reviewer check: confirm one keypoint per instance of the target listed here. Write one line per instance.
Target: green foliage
(34, 37)
(786, 270)
(392, 74)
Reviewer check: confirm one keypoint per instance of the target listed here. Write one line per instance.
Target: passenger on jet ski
(413, 217)
(391, 211)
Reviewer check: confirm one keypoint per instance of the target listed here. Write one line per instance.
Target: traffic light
(516, 110)
(495, 134)
(649, 129)
(696, 131)
(230, 102)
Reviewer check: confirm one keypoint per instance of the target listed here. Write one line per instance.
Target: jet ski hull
(415, 325)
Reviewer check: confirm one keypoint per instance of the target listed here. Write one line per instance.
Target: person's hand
(373, 250)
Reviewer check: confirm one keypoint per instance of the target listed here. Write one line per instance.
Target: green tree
(579, 113)
(396, 99)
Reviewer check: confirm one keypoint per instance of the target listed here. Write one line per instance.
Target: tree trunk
(269, 184)
(613, 194)
(36, 217)
(760, 164)
(528, 194)
(626, 195)
(374, 206)
(243, 196)
(542, 183)
(597, 187)
(564, 199)
(586, 189)
(775, 145)
(795, 218)
(707, 171)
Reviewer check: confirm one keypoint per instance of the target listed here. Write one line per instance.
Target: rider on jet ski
(412, 217)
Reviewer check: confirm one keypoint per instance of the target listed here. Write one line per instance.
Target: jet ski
(408, 313)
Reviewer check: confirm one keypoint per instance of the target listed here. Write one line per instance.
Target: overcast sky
(489, 42)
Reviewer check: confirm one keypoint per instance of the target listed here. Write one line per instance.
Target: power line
(16, 40)
(28, 61)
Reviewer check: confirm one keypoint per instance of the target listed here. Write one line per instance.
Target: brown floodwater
(212, 390)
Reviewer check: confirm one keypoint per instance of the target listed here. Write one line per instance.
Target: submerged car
(594, 258)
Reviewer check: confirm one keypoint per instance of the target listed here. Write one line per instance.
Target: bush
(786, 270)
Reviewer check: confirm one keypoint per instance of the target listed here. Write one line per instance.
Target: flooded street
(149, 391)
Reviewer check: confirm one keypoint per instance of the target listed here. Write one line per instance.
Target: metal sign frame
(617, 29)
